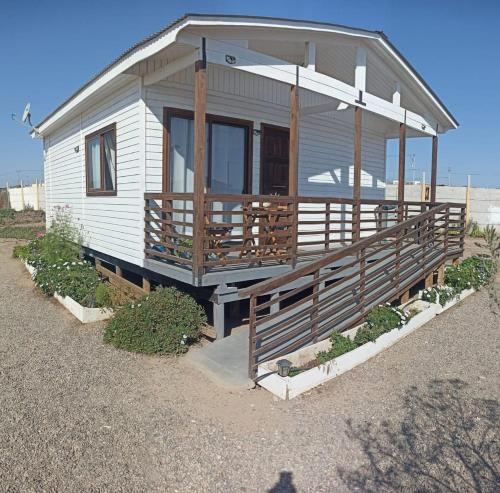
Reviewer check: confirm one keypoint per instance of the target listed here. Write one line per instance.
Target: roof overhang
(168, 35)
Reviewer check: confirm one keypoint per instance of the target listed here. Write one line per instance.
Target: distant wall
(27, 196)
(484, 202)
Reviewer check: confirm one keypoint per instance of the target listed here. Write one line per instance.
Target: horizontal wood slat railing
(257, 230)
(374, 270)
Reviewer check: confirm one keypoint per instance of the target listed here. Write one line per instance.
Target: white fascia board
(413, 76)
(295, 25)
(283, 71)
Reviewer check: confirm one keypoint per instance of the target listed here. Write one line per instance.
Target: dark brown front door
(274, 160)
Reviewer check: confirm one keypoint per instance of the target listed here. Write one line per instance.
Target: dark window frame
(169, 112)
(92, 192)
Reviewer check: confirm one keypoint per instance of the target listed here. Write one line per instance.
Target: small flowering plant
(76, 279)
(439, 294)
(380, 320)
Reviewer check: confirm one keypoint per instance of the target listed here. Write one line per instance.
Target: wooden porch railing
(256, 230)
(374, 270)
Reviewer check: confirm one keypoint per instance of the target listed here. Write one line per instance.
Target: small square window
(100, 159)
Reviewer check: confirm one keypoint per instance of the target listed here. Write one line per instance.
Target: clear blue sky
(49, 48)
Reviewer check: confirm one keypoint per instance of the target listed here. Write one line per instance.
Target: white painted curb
(454, 301)
(30, 269)
(82, 313)
(290, 387)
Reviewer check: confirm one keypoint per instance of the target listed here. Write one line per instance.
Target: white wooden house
(226, 150)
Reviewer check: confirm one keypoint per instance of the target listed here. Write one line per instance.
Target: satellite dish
(26, 114)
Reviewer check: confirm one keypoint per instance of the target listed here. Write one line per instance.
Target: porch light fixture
(230, 59)
(284, 367)
(256, 131)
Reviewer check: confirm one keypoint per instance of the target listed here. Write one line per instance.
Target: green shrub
(475, 231)
(108, 296)
(445, 294)
(60, 244)
(102, 295)
(20, 251)
(164, 322)
(78, 280)
(366, 333)
(380, 320)
(6, 213)
(472, 272)
(340, 345)
(430, 295)
(19, 232)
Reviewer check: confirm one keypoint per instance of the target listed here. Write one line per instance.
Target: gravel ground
(77, 415)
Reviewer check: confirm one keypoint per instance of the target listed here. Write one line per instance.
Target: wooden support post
(405, 297)
(423, 189)
(146, 284)
(467, 201)
(118, 271)
(356, 188)
(200, 104)
(440, 275)
(293, 168)
(429, 280)
(434, 167)
(401, 172)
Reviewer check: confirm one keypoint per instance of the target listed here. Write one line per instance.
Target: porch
(310, 255)
(249, 237)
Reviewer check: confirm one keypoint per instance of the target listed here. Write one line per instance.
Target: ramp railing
(336, 292)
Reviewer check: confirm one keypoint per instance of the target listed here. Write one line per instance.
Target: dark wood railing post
(446, 230)
(362, 279)
(315, 302)
(293, 169)
(401, 171)
(327, 226)
(463, 225)
(356, 188)
(251, 336)
(434, 167)
(200, 103)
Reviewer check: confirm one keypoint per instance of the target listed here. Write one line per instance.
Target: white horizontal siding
(112, 225)
(326, 140)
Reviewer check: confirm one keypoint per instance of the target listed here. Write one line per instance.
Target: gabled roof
(139, 51)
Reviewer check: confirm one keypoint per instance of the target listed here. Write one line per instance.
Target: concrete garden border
(82, 313)
(290, 387)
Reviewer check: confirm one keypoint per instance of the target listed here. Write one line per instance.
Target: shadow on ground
(284, 484)
(447, 441)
